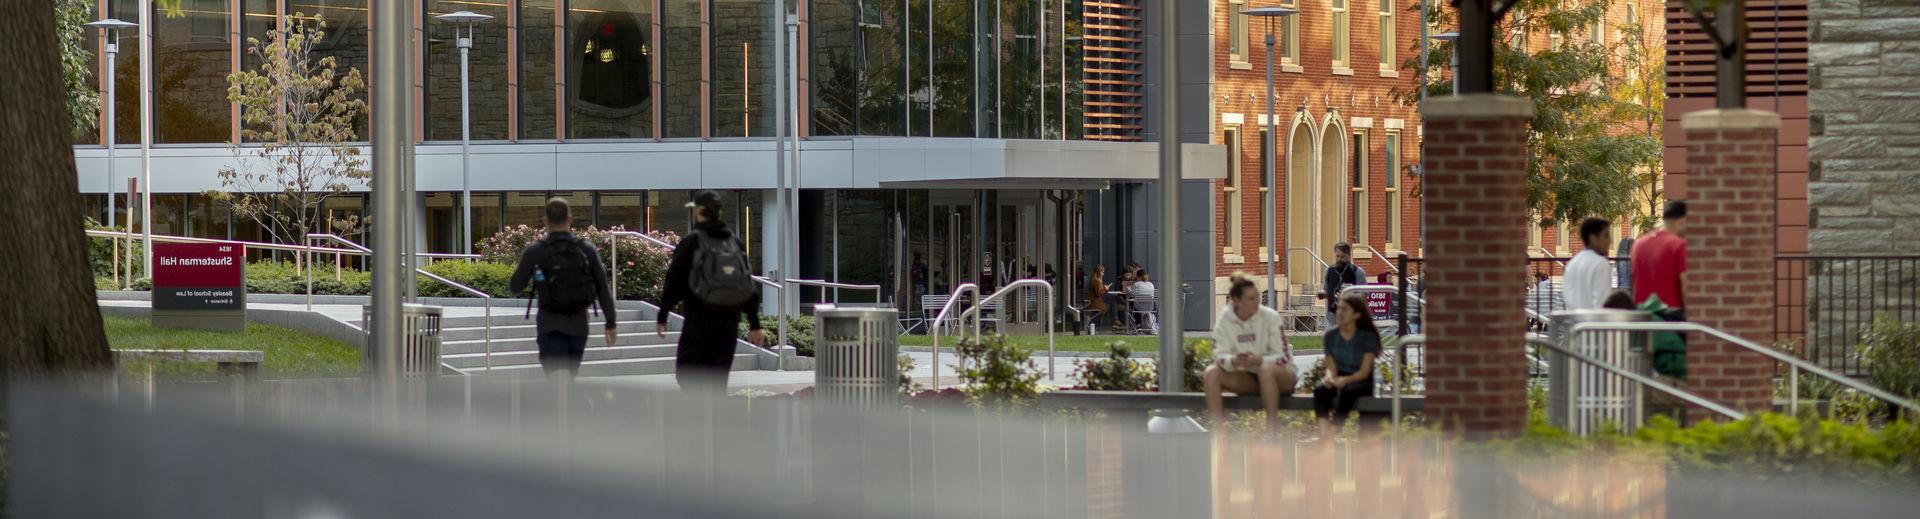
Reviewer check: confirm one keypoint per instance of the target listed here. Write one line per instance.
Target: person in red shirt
(1660, 259)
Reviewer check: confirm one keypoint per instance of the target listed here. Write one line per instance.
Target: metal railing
(1542, 341)
(934, 326)
(613, 279)
(486, 299)
(1795, 364)
(1316, 257)
(1826, 303)
(831, 284)
(1046, 300)
(1383, 258)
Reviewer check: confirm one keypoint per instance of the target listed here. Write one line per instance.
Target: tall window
(1232, 190)
(742, 64)
(609, 69)
(681, 87)
(1599, 36)
(1357, 189)
(486, 76)
(1290, 35)
(1237, 32)
(1266, 168)
(1387, 29)
(1392, 186)
(536, 66)
(191, 52)
(1341, 54)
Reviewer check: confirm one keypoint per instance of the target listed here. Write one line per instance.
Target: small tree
(76, 60)
(300, 110)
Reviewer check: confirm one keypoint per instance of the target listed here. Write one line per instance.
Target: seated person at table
(1351, 346)
(1251, 354)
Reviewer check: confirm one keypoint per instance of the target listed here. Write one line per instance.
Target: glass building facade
(562, 70)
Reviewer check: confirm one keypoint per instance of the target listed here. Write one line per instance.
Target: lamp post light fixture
(1454, 62)
(112, 27)
(1270, 230)
(464, 20)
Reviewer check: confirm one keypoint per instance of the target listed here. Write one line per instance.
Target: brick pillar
(1476, 184)
(1731, 183)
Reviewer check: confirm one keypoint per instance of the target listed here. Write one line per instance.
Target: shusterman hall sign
(200, 285)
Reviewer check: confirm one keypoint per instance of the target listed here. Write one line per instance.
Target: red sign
(1380, 304)
(199, 276)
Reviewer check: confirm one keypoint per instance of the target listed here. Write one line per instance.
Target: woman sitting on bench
(1251, 354)
(1351, 346)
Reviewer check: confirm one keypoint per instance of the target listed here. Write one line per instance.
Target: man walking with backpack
(709, 273)
(567, 277)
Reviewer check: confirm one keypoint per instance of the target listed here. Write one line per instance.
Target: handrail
(975, 311)
(614, 257)
(1795, 363)
(941, 316)
(1383, 258)
(830, 284)
(1544, 342)
(1315, 256)
(487, 299)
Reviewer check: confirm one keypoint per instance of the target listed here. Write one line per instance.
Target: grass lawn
(1136, 343)
(289, 352)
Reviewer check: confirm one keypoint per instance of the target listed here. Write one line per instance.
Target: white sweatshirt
(1264, 335)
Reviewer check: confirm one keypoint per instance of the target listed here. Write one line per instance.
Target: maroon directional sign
(199, 276)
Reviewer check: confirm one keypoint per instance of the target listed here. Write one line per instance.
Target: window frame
(1391, 187)
(1389, 35)
(1239, 37)
(1357, 180)
(1266, 168)
(1290, 37)
(1236, 176)
(1342, 33)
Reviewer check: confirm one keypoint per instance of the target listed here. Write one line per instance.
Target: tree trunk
(50, 318)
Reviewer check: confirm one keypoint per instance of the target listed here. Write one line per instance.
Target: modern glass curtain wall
(548, 70)
(948, 68)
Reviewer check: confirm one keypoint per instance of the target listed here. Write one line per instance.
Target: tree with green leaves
(297, 113)
(70, 19)
(1592, 148)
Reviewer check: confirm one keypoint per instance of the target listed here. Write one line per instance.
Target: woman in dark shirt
(1351, 347)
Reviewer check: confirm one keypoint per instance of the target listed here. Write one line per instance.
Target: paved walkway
(790, 381)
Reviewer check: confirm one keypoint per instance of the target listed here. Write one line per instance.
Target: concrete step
(607, 368)
(510, 317)
(594, 353)
(526, 329)
(595, 340)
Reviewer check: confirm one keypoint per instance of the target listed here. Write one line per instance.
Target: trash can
(1583, 398)
(856, 357)
(419, 343)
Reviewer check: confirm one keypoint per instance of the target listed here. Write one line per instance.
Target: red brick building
(1343, 142)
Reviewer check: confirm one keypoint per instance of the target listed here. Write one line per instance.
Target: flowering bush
(1117, 372)
(998, 373)
(643, 264)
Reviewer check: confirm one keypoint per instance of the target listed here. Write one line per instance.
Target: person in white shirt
(1251, 354)
(1138, 292)
(1589, 274)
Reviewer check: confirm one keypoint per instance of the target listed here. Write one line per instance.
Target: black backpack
(570, 287)
(720, 276)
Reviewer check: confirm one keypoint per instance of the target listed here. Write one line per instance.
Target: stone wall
(1864, 191)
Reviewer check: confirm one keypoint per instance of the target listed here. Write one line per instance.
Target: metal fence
(1823, 304)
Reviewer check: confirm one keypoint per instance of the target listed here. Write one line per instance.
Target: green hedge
(485, 276)
(800, 328)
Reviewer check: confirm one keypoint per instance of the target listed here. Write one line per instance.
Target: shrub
(1117, 372)
(1314, 376)
(1775, 446)
(998, 373)
(904, 364)
(100, 251)
(1199, 355)
(485, 276)
(800, 328)
(282, 277)
(642, 264)
(1890, 352)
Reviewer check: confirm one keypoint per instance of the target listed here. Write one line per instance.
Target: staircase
(636, 351)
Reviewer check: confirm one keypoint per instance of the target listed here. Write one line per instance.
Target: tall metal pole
(1422, 85)
(391, 137)
(146, 137)
(781, 238)
(1170, 340)
(1271, 235)
(466, 129)
(793, 211)
(113, 57)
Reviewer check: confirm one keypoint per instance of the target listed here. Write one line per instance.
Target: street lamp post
(1269, 231)
(1454, 62)
(464, 20)
(112, 27)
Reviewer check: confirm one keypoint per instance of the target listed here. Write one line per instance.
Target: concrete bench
(1141, 401)
(245, 363)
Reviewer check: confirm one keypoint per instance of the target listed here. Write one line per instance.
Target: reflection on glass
(621, 210)
(258, 18)
(609, 69)
(127, 77)
(919, 45)
(882, 101)
(1021, 85)
(527, 208)
(487, 218)
(487, 71)
(743, 35)
(681, 70)
(346, 41)
(536, 64)
(168, 211)
(667, 211)
(443, 220)
(953, 68)
(989, 44)
(835, 74)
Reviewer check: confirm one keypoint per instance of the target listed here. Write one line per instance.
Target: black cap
(706, 199)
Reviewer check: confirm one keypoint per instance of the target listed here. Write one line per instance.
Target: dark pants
(560, 350)
(704, 357)
(1338, 402)
(1120, 312)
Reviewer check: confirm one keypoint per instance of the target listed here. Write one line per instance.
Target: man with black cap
(710, 275)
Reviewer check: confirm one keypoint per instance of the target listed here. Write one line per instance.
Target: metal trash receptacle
(419, 344)
(856, 356)
(1582, 398)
